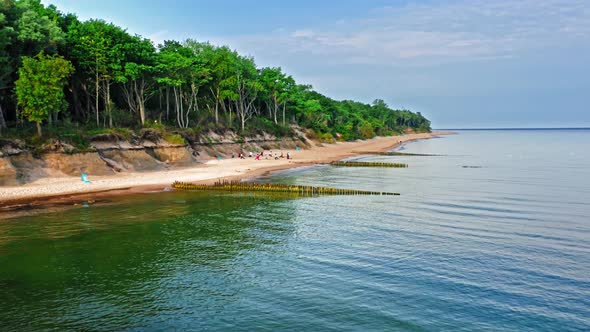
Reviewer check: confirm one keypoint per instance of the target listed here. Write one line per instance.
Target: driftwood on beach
(238, 186)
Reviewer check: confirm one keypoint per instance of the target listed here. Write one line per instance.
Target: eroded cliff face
(76, 163)
(8, 173)
(110, 154)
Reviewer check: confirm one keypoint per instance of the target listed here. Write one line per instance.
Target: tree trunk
(230, 116)
(223, 108)
(160, 99)
(77, 105)
(86, 115)
(2, 119)
(284, 105)
(140, 101)
(216, 105)
(108, 104)
(181, 113)
(167, 104)
(96, 85)
(276, 107)
(177, 103)
(39, 129)
(193, 104)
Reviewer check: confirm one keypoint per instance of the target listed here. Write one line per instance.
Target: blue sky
(500, 63)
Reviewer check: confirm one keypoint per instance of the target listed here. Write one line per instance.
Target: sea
(491, 232)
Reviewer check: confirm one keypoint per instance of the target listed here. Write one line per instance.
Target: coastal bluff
(110, 154)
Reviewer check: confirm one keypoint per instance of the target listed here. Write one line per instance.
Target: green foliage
(73, 136)
(125, 133)
(37, 24)
(122, 118)
(174, 138)
(123, 80)
(262, 125)
(155, 125)
(326, 138)
(366, 130)
(39, 88)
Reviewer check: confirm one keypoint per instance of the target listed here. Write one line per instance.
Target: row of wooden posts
(367, 164)
(238, 186)
(393, 153)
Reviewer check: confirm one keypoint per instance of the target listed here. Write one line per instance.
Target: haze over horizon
(463, 64)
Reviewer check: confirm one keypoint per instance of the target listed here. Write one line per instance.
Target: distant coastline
(557, 128)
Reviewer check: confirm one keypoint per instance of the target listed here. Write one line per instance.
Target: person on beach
(251, 154)
(288, 155)
(257, 157)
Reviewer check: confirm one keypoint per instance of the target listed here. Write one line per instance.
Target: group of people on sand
(258, 156)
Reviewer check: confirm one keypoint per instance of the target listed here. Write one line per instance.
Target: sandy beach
(68, 188)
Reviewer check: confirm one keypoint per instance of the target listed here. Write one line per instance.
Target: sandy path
(208, 172)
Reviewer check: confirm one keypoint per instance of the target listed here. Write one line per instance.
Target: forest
(60, 76)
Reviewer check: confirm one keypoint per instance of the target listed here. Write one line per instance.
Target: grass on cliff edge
(80, 137)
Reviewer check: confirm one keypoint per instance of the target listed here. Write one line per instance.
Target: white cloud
(304, 33)
(421, 33)
(159, 37)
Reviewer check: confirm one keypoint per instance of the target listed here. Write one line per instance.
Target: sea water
(491, 234)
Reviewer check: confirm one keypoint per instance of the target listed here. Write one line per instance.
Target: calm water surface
(495, 235)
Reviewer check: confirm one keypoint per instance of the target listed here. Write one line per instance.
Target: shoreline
(65, 190)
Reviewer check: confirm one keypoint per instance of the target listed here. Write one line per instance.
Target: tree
(40, 87)
(26, 28)
(6, 40)
(37, 27)
(99, 50)
(246, 87)
(201, 83)
(175, 68)
(221, 64)
(274, 84)
(136, 75)
(288, 90)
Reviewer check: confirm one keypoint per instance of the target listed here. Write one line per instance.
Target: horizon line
(516, 128)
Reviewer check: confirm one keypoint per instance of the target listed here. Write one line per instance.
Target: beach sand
(51, 190)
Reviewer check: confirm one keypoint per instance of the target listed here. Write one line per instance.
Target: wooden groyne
(238, 186)
(367, 164)
(379, 153)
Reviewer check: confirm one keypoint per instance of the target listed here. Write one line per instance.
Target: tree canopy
(39, 88)
(107, 77)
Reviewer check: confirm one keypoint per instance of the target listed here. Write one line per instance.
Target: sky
(463, 64)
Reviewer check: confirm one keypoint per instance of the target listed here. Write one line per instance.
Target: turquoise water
(495, 235)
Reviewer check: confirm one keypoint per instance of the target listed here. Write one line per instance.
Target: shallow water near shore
(494, 235)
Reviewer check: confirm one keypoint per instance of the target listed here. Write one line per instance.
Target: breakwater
(367, 164)
(238, 186)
